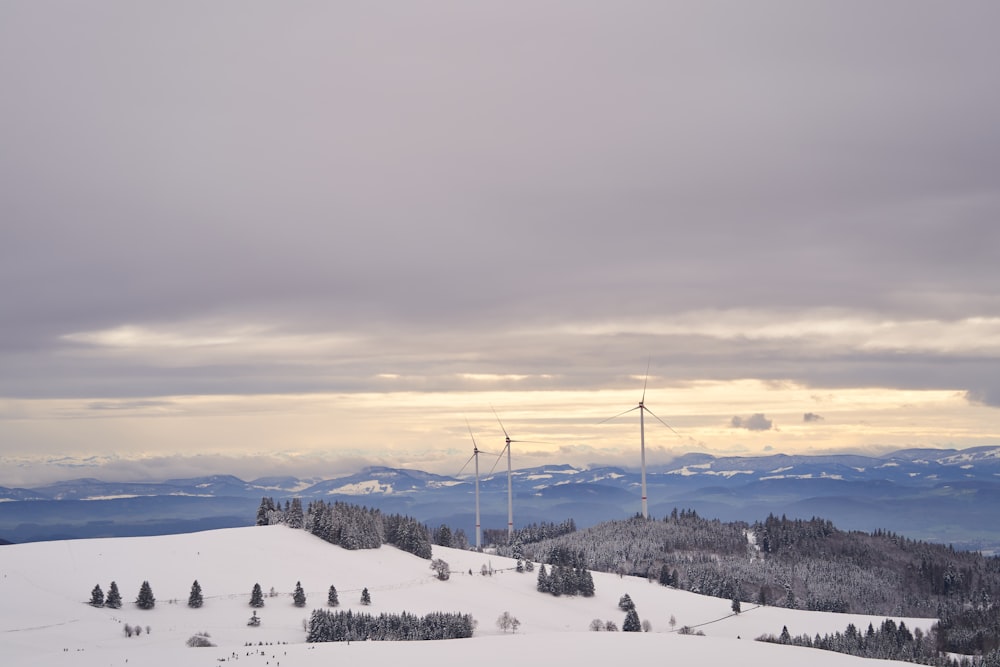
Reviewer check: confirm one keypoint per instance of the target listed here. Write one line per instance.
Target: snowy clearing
(46, 620)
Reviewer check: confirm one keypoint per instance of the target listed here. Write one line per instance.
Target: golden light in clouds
(428, 430)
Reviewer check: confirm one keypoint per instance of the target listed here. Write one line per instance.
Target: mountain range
(940, 495)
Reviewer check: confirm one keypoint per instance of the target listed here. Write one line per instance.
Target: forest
(349, 526)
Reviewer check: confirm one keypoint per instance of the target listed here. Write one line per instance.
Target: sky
(305, 237)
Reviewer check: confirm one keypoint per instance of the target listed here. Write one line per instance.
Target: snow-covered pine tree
(195, 599)
(586, 581)
(299, 596)
(97, 597)
(544, 585)
(266, 505)
(295, 517)
(556, 580)
(632, 623)
(331, 598)
(145, 600)
(625, 603)
(256, 597)
(366, 597)
(114, 598)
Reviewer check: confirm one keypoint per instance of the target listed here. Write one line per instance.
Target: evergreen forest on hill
(802, 564)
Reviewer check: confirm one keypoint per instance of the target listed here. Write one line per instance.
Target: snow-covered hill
(45, 618)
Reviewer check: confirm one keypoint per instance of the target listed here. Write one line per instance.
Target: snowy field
(45, 619)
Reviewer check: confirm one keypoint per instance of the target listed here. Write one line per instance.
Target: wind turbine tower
(475, 455)
(642, 438)
(510, 488)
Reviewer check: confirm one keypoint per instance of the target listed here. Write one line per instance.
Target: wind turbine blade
(644, 381)
(604, 421)
(661, 421)
(466, 463)
(500, 422)
(497, 461)
(475, 448)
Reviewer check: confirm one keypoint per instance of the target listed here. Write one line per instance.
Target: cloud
(755, 422)
(812, 417)
(989, 396)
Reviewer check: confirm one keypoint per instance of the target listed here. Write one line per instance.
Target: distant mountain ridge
(936, 494)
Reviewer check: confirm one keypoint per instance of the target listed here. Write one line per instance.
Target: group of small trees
(145, 599)
(441, 569)
(631, 622)
(564, 580)
(113, 600)
(506, 622)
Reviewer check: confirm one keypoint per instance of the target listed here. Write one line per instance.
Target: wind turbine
(642, 436)
(510, 488)
(475, 455)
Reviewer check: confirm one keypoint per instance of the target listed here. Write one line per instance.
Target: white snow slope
(45, 618)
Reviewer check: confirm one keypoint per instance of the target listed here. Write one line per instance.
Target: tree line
(339, 626)
(889, 641)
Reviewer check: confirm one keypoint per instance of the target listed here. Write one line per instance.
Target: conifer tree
(331, 599)
(543, 580)
(299, 596)
(114, 598)
(556, 580)
(145, 600)
(366, 597)
(587, 589)
(632, 623)
(97, 597)
(266, 505)
(294, 516)
(195, 599)
(625, 603)
(256, 596)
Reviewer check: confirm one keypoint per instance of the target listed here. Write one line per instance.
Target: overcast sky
(253, 237)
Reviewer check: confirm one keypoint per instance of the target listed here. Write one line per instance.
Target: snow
(45, 619)
(728, 473)
(362, 488)
(443, 484)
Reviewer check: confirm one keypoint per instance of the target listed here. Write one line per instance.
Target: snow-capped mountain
(934, 494)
